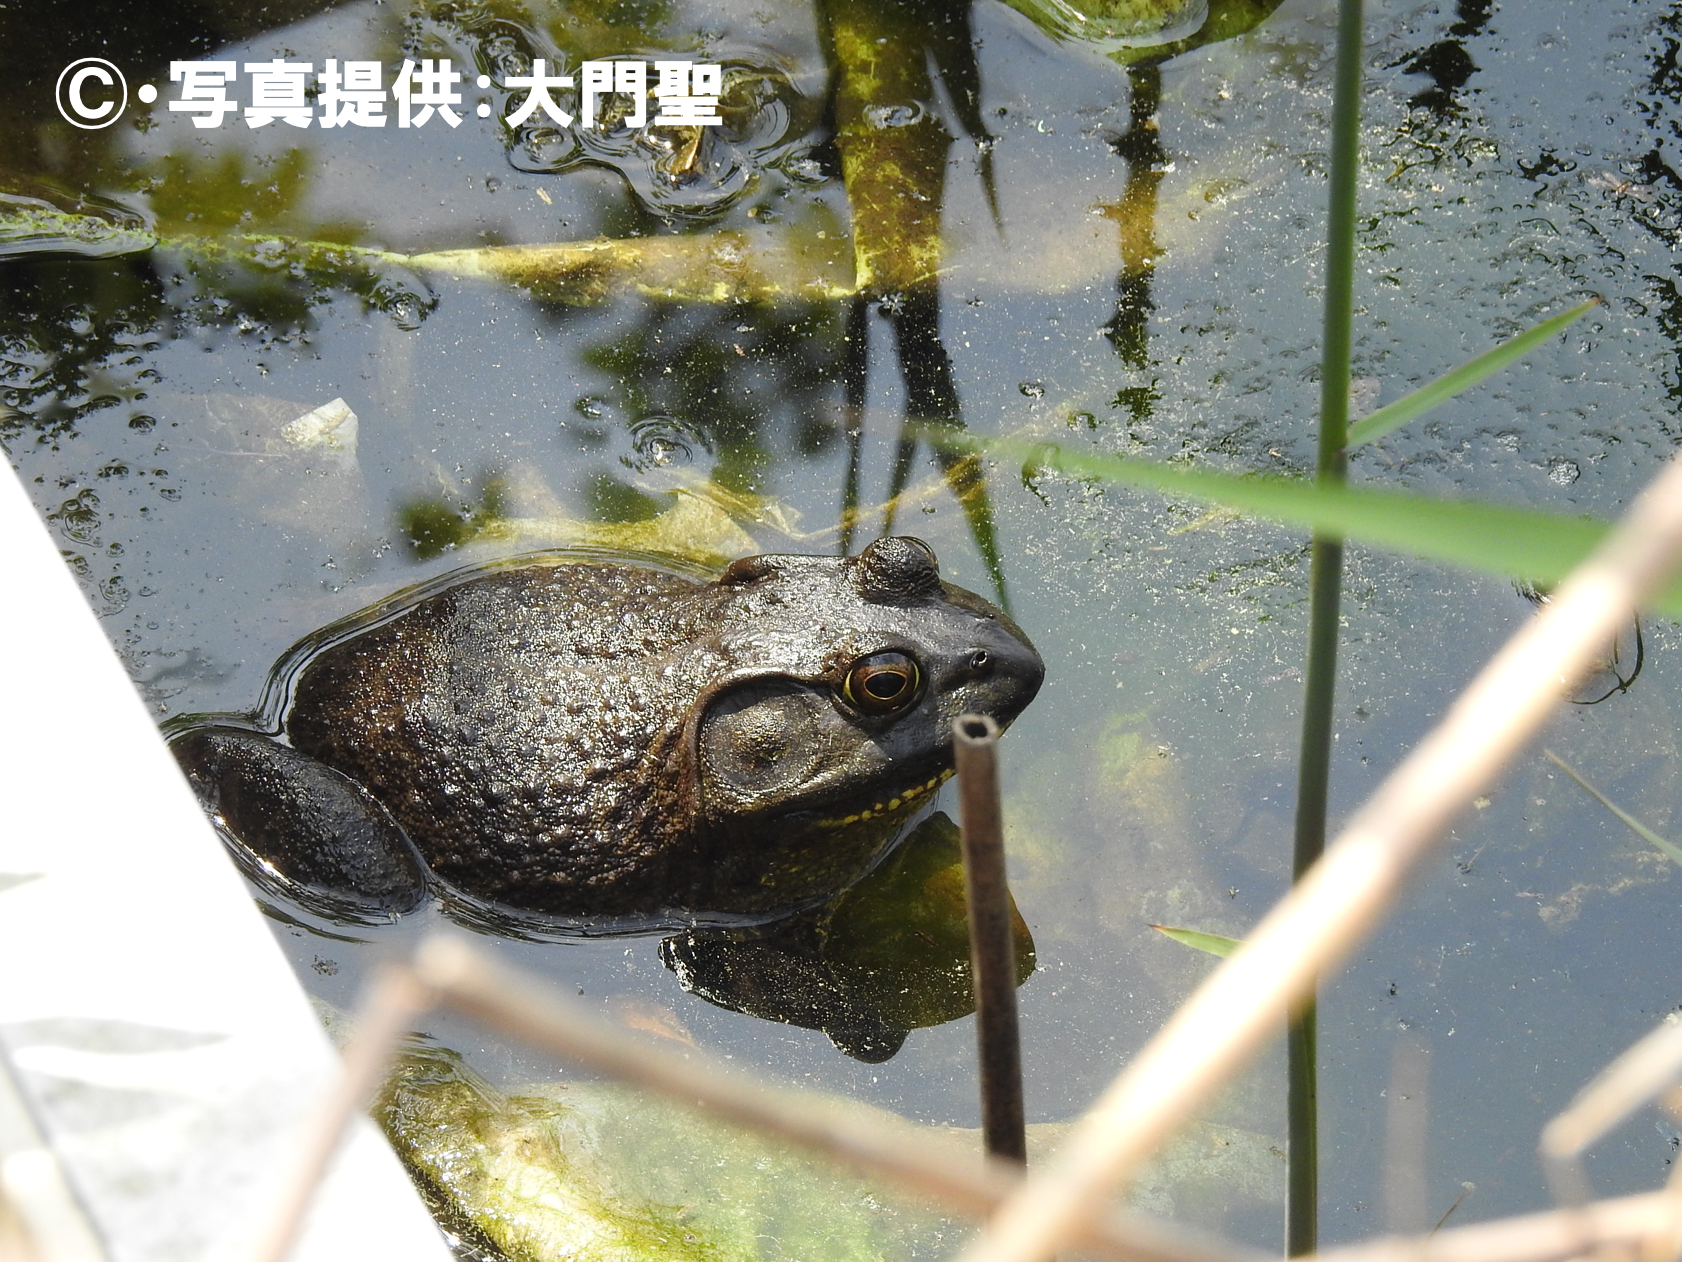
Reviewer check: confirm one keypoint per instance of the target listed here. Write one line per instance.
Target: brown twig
(452, 972)
(992, 953)
(393, 1002)
(1635, 1078)
(1628, 1222)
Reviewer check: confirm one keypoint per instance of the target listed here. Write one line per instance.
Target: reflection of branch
(893, 161)
(932, 410)
(1135, 214)
(893, 147)
(855, 379)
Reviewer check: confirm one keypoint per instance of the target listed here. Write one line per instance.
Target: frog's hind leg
(314, 826)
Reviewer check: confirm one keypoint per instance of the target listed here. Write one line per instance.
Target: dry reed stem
(393, 1002)
(451, 972)
(1627, 1223)
(474, 983)
(1640, 1075)
(457, 974)
(1344, 896)
(1636, 1077)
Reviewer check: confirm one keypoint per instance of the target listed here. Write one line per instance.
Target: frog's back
(522, 725)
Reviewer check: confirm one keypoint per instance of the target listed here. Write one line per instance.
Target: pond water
(1132, 264)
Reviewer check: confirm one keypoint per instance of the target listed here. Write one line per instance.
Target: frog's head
(842, 678)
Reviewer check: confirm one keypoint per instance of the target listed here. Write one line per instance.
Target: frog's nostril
(980, 660)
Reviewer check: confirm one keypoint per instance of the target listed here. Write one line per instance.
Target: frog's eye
(882, 683)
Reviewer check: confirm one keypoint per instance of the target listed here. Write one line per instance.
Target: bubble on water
(408, 311)
(885, 116)
(1032, 389)
(541, 149)
(801, 167)
(115, 595)
(590, 407)
(1563, 472)
(664, 442)
(405, 299)
(270, 253)
(681, 171)
(78, 517)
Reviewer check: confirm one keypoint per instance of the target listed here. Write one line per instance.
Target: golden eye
(882, 683)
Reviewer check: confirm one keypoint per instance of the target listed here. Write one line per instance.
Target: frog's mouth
(888, 805)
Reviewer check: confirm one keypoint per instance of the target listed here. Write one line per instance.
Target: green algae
(592, 1172)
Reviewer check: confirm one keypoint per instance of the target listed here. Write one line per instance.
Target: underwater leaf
(717, 267)
(1213, 943)
(699, 524)
(596, 1172)
(1522, 543)
(702, 267)
(1395, 415)
(1641, 830)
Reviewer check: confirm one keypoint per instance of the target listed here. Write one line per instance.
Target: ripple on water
(678, 171)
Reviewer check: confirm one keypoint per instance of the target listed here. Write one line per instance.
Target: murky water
(1150, 284)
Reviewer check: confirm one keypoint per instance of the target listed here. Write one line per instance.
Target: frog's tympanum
(588, 739)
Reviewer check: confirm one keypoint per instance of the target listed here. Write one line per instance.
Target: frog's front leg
(313, 825)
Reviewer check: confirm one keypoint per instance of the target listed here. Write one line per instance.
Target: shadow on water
(1447, 63)
(888, 956)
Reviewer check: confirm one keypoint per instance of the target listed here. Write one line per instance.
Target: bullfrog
(582, 738)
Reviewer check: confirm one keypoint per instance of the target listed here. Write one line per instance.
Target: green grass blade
(1213, 943)
(1395, 415)
(1523, 543)
(1490, 538)
(1641, 830)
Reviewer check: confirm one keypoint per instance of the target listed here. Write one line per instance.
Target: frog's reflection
(888, 956)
